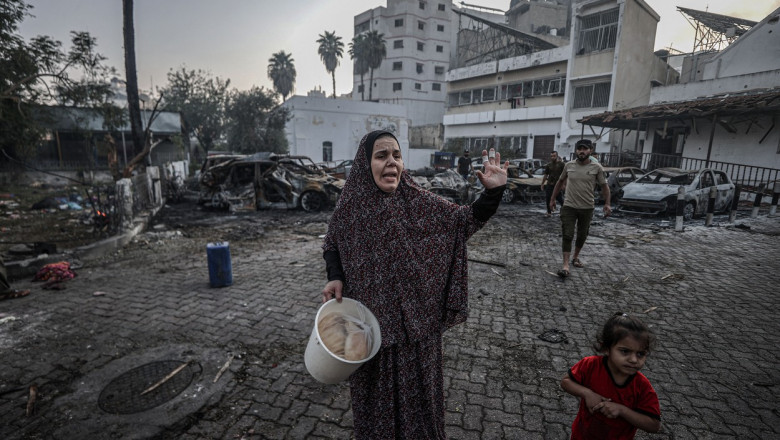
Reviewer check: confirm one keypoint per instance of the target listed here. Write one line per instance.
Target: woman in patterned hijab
(401, 251)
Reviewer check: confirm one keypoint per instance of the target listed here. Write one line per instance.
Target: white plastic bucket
(325, 366)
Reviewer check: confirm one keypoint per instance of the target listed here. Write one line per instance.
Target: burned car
(448, 184)
(656, 192)
(521, 185)
(617, 178)
(268, 181)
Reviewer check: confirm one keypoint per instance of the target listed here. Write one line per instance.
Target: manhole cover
(123, 394)
(554, 336)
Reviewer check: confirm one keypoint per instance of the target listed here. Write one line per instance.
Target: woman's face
(386, 164)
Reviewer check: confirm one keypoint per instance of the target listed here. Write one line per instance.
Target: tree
(330, 50)
(281, 71)
(201, 101)
(358, 51)
(256, 122)
(375, 52)
(37, 73)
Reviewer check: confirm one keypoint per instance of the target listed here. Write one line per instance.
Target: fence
(749, 176)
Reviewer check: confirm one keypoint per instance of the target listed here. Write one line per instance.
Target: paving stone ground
(709, 293)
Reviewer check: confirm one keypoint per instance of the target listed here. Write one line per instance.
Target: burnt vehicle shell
(252, 184)
(656, 192)
(521, 185)
(617, 178)
(448, 184)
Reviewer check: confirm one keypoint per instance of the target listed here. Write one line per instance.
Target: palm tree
(376, 52)
(358, 52)
(330, 50)
(281, 71)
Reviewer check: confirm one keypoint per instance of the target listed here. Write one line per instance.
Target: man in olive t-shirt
(580, 177)
(552, 172)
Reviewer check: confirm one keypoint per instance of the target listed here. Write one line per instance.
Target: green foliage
(201, 100)
(331, 49)
(358, 51)
(256, 122)
(281, 71)
(37, 72)
(376, 51)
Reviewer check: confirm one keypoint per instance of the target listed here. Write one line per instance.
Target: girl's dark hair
(620, 325)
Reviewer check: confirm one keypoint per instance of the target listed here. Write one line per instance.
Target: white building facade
(328, 129)
(528, 106)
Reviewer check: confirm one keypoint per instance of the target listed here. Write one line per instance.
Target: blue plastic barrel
(220, 267)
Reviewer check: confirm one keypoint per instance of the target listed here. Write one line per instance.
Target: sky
(233, 39)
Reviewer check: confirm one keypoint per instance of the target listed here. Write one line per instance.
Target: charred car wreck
(264, 181)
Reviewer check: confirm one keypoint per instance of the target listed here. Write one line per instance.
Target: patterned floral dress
(403, 255)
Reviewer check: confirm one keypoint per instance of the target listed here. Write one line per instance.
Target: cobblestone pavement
(709, 293)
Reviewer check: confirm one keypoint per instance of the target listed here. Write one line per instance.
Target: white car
(656, 192)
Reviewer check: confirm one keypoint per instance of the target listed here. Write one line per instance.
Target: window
(396, 87)
(722, 179)
(438, 70)
(363, 27)
(398, 44)
(464, 98)
(421, 25)
(360, 88)
(599, 31)
(398, 65)
(327, 151)
(417, 86)
(399, 22)
(439, 48)
(591, 95)
(440, 27)
(441, 6)
(420, 46)
(422, 5)
(419, 68)
(436, 87)
(488, 94)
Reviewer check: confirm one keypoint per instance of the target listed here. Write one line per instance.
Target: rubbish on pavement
(553, 335)
(31, 399)
(166, 378)
(224, 368)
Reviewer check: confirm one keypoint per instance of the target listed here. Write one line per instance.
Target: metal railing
(745, 175)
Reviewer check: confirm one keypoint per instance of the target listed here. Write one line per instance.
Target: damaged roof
(763, 101)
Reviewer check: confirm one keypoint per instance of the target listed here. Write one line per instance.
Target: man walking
(552, 172)
(464, 165)
(580, 177)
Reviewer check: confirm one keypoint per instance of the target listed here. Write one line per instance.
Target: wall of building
(741, 147)
(741, 59)
(634, 56)
(343, 123)
(714, 87)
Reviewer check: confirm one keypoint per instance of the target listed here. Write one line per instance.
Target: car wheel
(689, 210)
(312, 201)
(508, 196)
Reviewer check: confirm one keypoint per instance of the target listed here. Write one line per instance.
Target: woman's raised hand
(493, 174)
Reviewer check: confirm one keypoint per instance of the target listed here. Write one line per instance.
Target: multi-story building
(420, 36)
(723, 113)
(528, 105)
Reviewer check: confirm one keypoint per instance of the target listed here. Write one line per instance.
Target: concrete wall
(343, 123)
(713, 87)
(740, 57)
(742, 147)
(634, 56)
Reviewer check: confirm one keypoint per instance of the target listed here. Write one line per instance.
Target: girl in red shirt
(615, 398)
